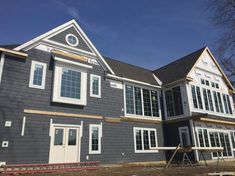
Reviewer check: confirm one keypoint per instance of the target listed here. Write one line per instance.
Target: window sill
(36, 87)
(94, 152)
(69, 101)
(146, 151)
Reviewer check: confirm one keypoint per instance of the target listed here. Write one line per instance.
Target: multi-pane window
(208, 99)
(218, 102)
(232, 134)
(95, 138)
(142, 102)
(37, 75)
(215, 139)
(174, 105)
(95, 86)
(70, 84)
(145, 139)
(197, 99)
(227, 105)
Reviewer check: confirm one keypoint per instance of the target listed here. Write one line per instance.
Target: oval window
(72, 40)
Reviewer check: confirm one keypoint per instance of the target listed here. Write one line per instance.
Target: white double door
(65, 144)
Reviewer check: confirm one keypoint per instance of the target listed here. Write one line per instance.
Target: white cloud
(71, 11)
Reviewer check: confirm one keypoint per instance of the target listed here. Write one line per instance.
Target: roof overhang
(14, 53)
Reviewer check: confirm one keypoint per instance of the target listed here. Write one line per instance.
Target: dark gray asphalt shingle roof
(126, 70)
(179, 68)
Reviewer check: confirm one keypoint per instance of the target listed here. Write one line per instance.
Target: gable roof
(178, 69)
(133, 72)
(60, 28)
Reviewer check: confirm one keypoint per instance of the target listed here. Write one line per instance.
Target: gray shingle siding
(34, 146)
(60, 38)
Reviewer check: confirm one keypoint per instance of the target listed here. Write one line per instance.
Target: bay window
(142, 102)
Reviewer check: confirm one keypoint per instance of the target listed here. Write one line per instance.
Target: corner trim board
(53, 113)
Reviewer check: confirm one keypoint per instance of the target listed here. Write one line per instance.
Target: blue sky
(148, 33)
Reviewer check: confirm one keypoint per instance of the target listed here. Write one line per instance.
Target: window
(227, 104)
(184, 136)
(2, 59)
(174, 102)
(196, 95)
(217, 139)
(208, 99)
(95, 134)
(70, 84)
(203, 138)
(145, 139)
(72, 40)
(58, 139)
(72, 139)
(37, 75)
(232, 134)
(95, 86)
(218, 102)
(142, 102)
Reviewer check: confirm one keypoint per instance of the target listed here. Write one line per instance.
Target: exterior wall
(171, 133)
(34, 146)
(117, 144)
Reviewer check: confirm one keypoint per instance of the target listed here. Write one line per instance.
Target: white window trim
(91, 86)
(180, 134)
(44, 65)
(67, 40)
(57, 84)
(152, 149)
(1, 65)
(100, 128)
(215, 130)
(142, 103)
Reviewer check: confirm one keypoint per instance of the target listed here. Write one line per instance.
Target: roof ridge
(128, 64)
(177, 60)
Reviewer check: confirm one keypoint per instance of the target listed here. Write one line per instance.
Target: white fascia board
(72, 62)
(59, 28)
(132, 80)
(158, 80)
(43, 35)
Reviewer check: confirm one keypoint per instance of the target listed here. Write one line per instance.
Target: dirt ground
(126, 170)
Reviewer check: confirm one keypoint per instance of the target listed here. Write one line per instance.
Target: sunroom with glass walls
(141, 101)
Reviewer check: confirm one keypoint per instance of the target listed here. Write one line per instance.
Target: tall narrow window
(37, 75)
(95, 139)
(184, 136)
(205, 99)
(177, 100)
(199, 98)
(220, 102)
(138, 101)
(229, 104)
(95, 86)
(210, 100)
(145, 139)
(129, 100)
(169, 103)
(225, 104)
(147, 103)
(216, 102)
(195, 104)
(154, 99)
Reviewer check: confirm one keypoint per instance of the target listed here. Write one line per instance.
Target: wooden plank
(217, 121)
(112, 119)
(53, 113)
(14, 53)
(70, 55)
(206, 149)
(138, 119)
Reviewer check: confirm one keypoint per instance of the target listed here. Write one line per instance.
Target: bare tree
(223, 17)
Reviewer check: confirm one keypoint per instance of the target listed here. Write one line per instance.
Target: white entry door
(65, 145)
